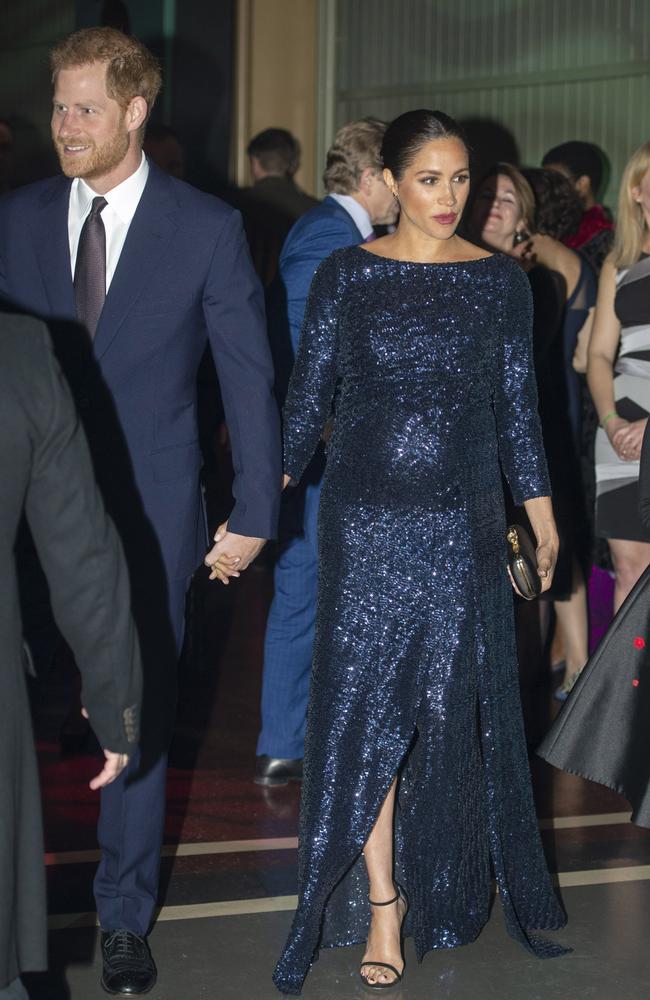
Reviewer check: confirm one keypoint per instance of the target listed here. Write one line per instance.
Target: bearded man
(135, 271)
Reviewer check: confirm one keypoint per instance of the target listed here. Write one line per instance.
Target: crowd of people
(450, 354)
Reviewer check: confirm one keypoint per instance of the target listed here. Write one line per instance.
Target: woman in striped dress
(618, 374)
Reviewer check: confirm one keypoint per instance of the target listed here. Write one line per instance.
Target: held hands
(626, 437)
(231, 554)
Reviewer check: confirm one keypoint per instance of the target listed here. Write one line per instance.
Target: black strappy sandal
(385, 965)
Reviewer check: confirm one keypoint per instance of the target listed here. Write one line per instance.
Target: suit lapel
(52, 247)
(148, 238)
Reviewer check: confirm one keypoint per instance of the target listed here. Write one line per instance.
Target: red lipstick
(447, 219)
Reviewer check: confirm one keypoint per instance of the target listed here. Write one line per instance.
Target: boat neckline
(426, 263)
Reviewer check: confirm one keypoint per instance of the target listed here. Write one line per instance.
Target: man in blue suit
(357, 199)
(153, 269)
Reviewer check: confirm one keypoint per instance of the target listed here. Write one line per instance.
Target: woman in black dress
(416, 771)
(505, 209)
(558, 211)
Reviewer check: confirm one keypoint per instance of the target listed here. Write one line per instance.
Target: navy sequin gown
(429, 369)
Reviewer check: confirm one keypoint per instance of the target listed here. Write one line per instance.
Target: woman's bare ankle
(382, 890)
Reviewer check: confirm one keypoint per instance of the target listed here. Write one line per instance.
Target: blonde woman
(618, 374)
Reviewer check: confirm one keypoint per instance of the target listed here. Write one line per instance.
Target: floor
(229, 870)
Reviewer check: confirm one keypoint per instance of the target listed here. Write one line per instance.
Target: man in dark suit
(154, 269)
(46, 471)
(357, 200)
(274, 202)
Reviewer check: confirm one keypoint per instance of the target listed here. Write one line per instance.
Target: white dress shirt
(116, 216)
(358, 213)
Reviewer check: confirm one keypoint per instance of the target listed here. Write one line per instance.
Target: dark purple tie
(90, 269)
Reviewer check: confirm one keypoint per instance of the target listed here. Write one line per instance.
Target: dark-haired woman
(504, 213)
(564, 403)
(416, 773)
(558, 211)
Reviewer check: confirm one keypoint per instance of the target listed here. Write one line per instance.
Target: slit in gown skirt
(415, 671)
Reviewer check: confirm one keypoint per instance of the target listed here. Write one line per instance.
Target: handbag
(522, 562)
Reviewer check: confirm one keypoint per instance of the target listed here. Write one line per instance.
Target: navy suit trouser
(289, 640)
(131, 823)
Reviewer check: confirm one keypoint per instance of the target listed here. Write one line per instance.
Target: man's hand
(232, 553)
(115, 764)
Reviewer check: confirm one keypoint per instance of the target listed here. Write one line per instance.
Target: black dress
(603, 731)
(415, 668)
(553, 351)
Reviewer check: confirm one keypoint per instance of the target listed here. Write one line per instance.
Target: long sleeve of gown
(313, 380)
(521, 448)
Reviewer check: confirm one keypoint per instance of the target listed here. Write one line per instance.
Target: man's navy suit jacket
(323, 229)
(319, 232)
(184, 276)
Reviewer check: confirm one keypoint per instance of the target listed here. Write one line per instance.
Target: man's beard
(98, 160)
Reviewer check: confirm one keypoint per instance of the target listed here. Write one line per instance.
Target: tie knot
(98, 205)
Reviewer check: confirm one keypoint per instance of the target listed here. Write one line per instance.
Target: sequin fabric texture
(430, 373)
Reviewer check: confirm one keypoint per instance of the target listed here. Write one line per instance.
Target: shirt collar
(357, 211)
(123, 198)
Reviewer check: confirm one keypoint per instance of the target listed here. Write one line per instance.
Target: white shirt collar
(123, 198)
(357, 211)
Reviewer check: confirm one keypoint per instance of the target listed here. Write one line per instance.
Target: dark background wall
(201, 95)
(194, 39)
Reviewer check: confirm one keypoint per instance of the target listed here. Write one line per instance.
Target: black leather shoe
(128, 969)
(277, 770)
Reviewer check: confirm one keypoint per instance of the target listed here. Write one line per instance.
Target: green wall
(548, 70)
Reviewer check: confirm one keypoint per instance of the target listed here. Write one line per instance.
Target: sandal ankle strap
(386, 902)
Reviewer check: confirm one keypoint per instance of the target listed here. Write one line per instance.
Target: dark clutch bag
(522, 562)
